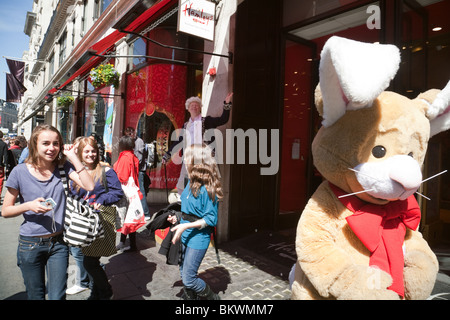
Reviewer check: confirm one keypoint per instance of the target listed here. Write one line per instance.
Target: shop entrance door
(300, 69)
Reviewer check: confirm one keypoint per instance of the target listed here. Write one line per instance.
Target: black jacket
(168, 249)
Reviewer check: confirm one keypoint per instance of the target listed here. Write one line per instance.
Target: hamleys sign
(196, 17)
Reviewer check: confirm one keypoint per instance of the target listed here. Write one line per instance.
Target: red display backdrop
(156, 95)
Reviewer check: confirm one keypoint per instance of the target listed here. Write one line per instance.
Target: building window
(99, 7)
(138, 47)
(105, 4)
(51, 65)
(62, 48)
(73, 32)
(84, 18)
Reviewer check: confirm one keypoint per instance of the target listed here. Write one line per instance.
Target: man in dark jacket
(3, 161)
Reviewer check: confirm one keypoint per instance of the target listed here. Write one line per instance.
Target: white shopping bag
(134, 218)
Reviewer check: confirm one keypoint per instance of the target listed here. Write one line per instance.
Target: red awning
(105, 44)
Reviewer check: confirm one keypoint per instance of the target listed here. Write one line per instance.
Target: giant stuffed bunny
(357, 237)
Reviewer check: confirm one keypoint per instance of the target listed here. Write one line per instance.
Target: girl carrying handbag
(107, 191)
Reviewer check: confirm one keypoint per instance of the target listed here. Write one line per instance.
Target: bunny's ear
(438, 109)
(353, 74)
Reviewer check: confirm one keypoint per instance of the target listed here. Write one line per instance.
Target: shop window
(296, 11)
(157, 90)
(351, 24)
(98, 117)
(167, 36)
(164, 35)
(155, 108)
(412, 74)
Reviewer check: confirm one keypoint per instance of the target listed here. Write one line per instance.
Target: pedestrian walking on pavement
(41, 247)
(127, 165)
(141, 153)
(199, 207)
(107, 191)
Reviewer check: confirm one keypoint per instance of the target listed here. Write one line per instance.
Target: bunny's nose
(405, 171)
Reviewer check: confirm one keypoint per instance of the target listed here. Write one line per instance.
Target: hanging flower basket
(65, 101)
(105, 75)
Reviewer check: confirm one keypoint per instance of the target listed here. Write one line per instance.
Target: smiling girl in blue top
(199, 205)
(42, 251)
(107, 191)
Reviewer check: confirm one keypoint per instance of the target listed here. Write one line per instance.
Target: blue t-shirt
(203, 207)
(30, 188)
(99, 194)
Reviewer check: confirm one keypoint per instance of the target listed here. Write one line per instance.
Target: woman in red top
(127, 165)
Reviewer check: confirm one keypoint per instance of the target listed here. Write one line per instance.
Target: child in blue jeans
(41, 247)
(199, 205)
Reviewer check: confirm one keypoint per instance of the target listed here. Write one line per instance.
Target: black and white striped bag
(81, 224)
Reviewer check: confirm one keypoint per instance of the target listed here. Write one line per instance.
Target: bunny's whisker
(351, 194)
(364, 174)
(434, 176)
(430, 179)
(423, 195)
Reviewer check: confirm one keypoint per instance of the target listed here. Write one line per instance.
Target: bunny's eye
(411, 155)
(379, 152)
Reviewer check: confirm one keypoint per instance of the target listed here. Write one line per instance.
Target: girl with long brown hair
(107, 191)
(42, 204)
(199, 206)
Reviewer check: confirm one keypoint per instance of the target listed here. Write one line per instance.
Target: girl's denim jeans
(190, 263)
(35, 256)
